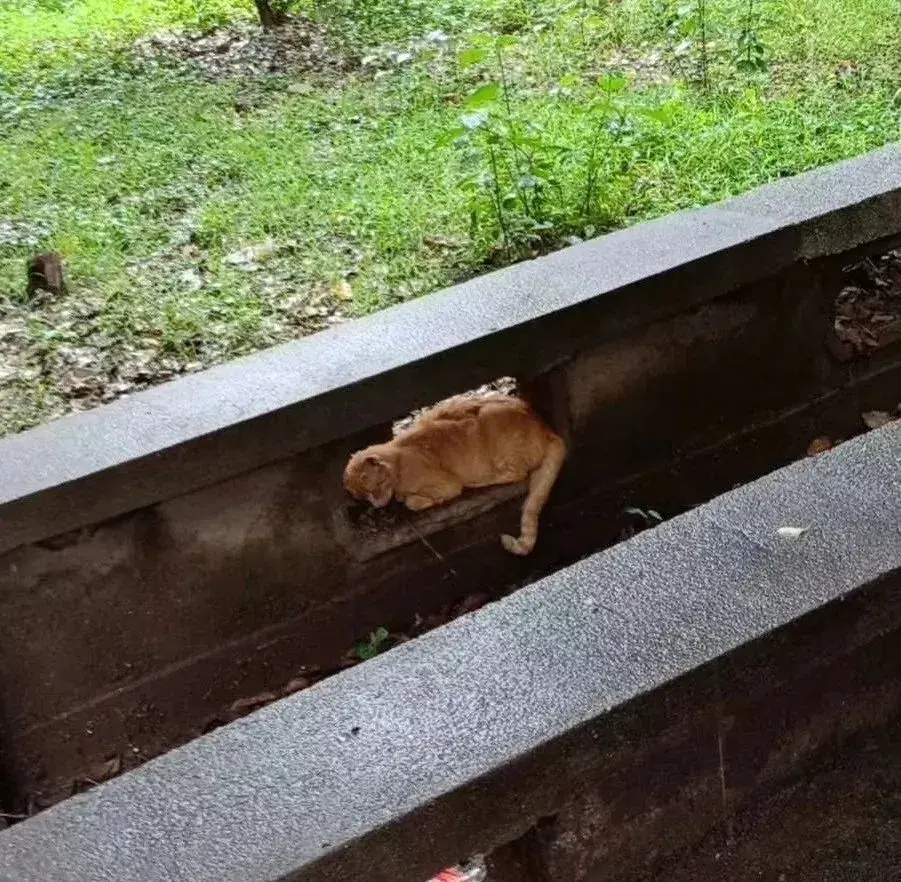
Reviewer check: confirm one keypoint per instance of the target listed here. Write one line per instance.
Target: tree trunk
(269, 17)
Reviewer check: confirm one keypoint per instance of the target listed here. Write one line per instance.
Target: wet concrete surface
(840, 823)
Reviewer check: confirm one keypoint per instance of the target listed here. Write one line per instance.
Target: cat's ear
(379, 480)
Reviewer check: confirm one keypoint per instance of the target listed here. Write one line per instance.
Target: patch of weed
(377, 643)
(480, 133)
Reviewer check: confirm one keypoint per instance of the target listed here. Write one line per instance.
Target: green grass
(140, 177)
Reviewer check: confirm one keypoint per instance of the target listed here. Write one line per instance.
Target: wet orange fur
(464, 442)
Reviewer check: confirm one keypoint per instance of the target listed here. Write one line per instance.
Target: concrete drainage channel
(171, 561)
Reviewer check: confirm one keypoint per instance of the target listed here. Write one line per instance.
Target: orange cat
(463, 442)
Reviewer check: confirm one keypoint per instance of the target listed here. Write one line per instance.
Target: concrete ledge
(463, 739)
(226, 421)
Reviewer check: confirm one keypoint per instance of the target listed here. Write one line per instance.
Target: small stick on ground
(438, 555)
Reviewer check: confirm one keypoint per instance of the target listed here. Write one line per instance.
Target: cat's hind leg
(434, 494)
(418, 502)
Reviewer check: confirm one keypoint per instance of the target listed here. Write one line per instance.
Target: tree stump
(45, 273)
(270, 17)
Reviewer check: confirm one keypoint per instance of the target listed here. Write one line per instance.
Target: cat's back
(456, 433)
(483, 440)
(478, 427)
(466, 407)
(513, 434)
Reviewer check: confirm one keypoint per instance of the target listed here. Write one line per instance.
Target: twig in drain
(438, 555)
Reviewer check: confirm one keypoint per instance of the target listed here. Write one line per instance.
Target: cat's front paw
(516, 546)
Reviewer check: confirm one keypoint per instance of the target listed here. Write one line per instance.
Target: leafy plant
(377, 643)
(513, 161)
(611, 119)
(688, 37)
(700, 19)
(210, 15)
(525, 181)
(750, 53)
(579, 17)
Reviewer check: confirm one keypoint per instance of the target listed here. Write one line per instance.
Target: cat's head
(370, 475)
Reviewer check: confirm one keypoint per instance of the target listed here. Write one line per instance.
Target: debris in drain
(868, 309)
(649, 516)
(639, 520)
(472, 602)
(253, 702)
(296, 685)
(379, 641)
(97, 774)
(876, 419)
(872, 419)
(474, 870)
(212, 725)
(819, 445)
(108, 769)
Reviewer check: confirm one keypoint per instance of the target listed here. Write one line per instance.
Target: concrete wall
(588, 727)
(96, 616)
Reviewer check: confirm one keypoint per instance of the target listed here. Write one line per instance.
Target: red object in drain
(474, 871)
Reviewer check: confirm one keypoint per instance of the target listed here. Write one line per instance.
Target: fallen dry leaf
(343, 291)
(472, 602)
(295, 685)
(249, 258)
(876, 419)
(105, 770)
(868, 309)
(819, 445)
(252, 702)
(349, 660)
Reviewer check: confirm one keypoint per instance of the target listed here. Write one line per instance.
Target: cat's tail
(541, 483)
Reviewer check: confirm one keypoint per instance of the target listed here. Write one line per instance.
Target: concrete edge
(339, 782)
(202, 429)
